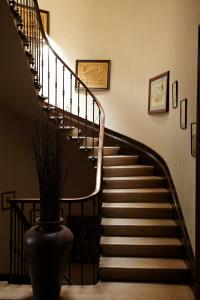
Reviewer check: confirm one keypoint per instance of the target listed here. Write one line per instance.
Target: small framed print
(95, 74)
(159, 94)
(183, 114)
(4, 199)
(193, 138)
(175, 94)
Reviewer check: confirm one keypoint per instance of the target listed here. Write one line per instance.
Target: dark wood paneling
(197, 231)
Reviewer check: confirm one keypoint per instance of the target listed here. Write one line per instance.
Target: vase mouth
(49, 226)
(58, 222)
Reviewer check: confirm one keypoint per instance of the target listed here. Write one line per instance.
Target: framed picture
(95, 74)
(159, 94)
(193, 138)
(183, 114)
(27, 12)
(45, 20)
(4, 199)
(175, 94)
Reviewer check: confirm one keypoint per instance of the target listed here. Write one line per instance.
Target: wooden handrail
(102, 115)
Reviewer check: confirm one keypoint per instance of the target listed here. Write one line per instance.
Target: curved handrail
(102, 115)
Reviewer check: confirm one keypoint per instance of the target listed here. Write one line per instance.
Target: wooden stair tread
(146, 241)
(121, 156)
(127, 167)
(132, 191)
(133, 178)
(105, 147)
(138, 205)
(143, 263)
(137, 222)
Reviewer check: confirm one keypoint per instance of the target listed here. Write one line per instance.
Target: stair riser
(88, 143)
(106, 151)
(128, 172)
(149, 275)
(138, 231)
(143, 251)
(132, 184)
(136, 197)
(119, 161)
(138, 213)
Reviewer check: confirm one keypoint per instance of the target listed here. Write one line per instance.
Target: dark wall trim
(149, 156)
(4, 277)
(197, 231)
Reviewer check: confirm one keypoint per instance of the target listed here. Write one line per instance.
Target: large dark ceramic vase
(47, 248)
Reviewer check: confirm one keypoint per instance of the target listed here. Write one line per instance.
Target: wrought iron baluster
(18, 244)
(82, 241)
(42, 65)
(11, 242)
(71, 100)
(48, 62)
(78, 110)
(86, 118)
(93, 133)
(69, 217)
(27, 22)
(96, 239)
(56, 82)
(63, 93)
(14, 240)
(22, 244)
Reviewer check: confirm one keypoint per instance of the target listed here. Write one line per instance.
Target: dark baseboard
(4, 277)
(197, 290)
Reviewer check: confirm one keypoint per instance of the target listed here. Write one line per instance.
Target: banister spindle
(42, 66)
(93, 133)
(86, 118)
(24, 17)
(30, 31)
(78, 110)
(82, 241)
(11, 240)
(56, 82)
(39, 56)
(70, 100)
(22, 244)
(27, 21)
(18, 244)
(63, 93)
(15, 236)
(48, 62)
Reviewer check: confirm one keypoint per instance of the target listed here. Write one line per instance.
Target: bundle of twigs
(48, 143)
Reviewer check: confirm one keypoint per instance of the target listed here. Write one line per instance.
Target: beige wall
(142, 39)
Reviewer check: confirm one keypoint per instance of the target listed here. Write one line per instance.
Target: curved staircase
(141, 239)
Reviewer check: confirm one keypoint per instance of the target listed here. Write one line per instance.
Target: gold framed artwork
(27, 15)
(159, 94)
(95, 74)
(4, 199)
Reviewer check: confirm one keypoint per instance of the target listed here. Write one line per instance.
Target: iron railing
(73, 107)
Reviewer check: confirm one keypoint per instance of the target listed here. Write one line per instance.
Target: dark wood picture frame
(4, 199)
(159, 94)
(95, 74)
(175, 94)
(183, 114)
(193, 138)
